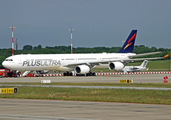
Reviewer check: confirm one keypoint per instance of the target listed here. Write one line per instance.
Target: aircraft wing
(140, 59)
(89, 63)
(108, 61)
(144, 54)
(92, 63)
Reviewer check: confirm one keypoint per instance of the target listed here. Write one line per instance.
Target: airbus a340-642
(79, 63)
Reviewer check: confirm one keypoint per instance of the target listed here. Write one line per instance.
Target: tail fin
(144, 63)
(129, 43)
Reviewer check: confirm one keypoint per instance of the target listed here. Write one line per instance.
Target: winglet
(129, 43)
(166, 55)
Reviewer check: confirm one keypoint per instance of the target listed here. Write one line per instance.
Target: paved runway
(147, 78)
(80, 110)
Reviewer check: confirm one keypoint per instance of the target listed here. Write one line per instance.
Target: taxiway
(141, 78)
(80, 110)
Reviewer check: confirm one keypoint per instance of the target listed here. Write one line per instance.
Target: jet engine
(116, 66)
(82, 69)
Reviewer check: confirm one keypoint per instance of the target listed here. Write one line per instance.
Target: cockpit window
(9, 60)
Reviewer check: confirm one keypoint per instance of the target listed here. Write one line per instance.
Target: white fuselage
(61, 62)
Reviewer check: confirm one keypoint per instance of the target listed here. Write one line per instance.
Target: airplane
(135, 68)
(79, 63)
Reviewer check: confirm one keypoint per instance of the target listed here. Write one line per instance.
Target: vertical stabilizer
(129, 43)
(144, 63)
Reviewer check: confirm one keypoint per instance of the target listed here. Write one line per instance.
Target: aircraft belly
(65, 69)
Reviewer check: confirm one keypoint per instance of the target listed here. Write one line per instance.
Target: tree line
(29, 49)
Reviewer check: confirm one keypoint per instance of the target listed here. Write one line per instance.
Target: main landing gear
(87, 74)
(68, 74)
(91, 74)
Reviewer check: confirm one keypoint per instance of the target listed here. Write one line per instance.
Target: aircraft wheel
(63, 74)
(90, 74)
(70, 74)
(67, 73)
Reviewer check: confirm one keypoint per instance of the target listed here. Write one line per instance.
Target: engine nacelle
(116, 66)
(82, 69)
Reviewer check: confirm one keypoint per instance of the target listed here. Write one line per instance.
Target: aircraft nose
(4, 64)
(7, 65)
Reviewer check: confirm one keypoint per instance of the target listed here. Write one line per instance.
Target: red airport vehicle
(8, 73)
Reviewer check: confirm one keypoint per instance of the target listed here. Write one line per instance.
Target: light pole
(12, 40)
(71, 39)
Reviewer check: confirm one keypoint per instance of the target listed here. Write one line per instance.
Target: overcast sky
(97, 23)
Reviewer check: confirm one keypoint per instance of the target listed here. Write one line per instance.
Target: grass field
(103, 95)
